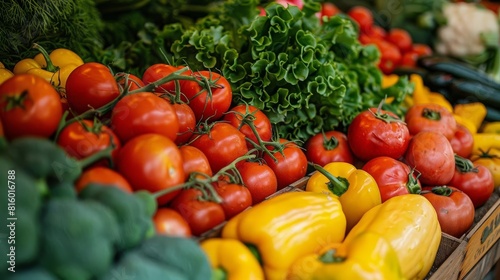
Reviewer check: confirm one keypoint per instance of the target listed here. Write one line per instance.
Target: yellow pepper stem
(218, 274)
(50, 66)
(331, 257)
(337, 185)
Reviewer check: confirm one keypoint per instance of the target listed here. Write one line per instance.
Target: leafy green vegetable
(53, 24)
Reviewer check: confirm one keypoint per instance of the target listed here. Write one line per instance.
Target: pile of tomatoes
(419, 155)
(395, 45)
(173, 132)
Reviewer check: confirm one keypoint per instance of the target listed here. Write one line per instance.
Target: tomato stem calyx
(16, 101)
(440, 190)
(464, 165)
(384, 116)
(431, 114)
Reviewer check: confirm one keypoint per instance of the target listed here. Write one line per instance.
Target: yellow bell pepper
(485, 141)
(357, 190)
(4, 73)
(389, 80)
(54, 68)
(491, 127)
(422, 94)
(231, 260)
(410, 223)
(438, 98)
(491, 160)
(369, 257)
(475, 112)
(288, 226)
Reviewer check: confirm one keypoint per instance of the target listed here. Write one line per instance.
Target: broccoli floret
(78, 238)
(37, 273)
(130, 212)
(162, 257)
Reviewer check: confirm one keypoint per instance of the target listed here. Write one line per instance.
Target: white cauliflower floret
(466, 25)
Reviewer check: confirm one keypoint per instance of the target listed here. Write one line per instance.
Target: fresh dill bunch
(71, 24)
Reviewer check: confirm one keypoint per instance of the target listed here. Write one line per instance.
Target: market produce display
(246, 139)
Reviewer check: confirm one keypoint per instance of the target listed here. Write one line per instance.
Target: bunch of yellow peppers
(303, 235)
(54, 67)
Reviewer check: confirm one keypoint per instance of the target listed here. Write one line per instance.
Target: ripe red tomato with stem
(401, 38)
(462, 141)
(210, 101)
(201, 214)
(143, 113)
(104, 176)
(29, 106)
(187, 122)
(83, 138)
(259, 179)
(160, 70)
(151, 162)
(474, 180)
(194, 160)
(91, 86)
(393, 177)
(129, 81)
(376, 132)
(330, 146)
(221, 143)
(243, 116)
(289, 163)
(235, 198)
(169, 222)
(431, 117)
(363, 16)
(454, 208)
(431, 154)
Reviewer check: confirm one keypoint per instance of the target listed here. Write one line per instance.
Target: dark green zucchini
(492, 114)
(475, 91)
(457, 69)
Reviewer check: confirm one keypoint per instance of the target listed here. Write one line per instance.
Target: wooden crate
(482, 249)
(448, 259)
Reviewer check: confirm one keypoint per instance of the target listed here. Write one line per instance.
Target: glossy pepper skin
(410, 223)
(357, 190)
(231, 260)
(54, 68)
(4, 73)
(287, 227)
(369, 257)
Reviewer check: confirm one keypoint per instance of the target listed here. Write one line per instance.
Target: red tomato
(133, 82)
(421, 49)
(169, 222)
(431, 154)
(329, 9)
(430, 117)
(374, 133)
(289, 165)
(363, 16)
(401, 38)
(29, 106)
(208, 106)
(91, 85)
(85, 138)
(200, 214)
(104, 176)
(454, 209)
(240, 114)
(377, 32)
(474, 180)
(194, 160)
(393, 177)
(390, 55)
(157, 71)
(462, 141)
(151, 162)
(327, 147)
(222, 145)
(187, 122)
(409, 59)
(143, 113)
(235, 198)
(259, 179)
